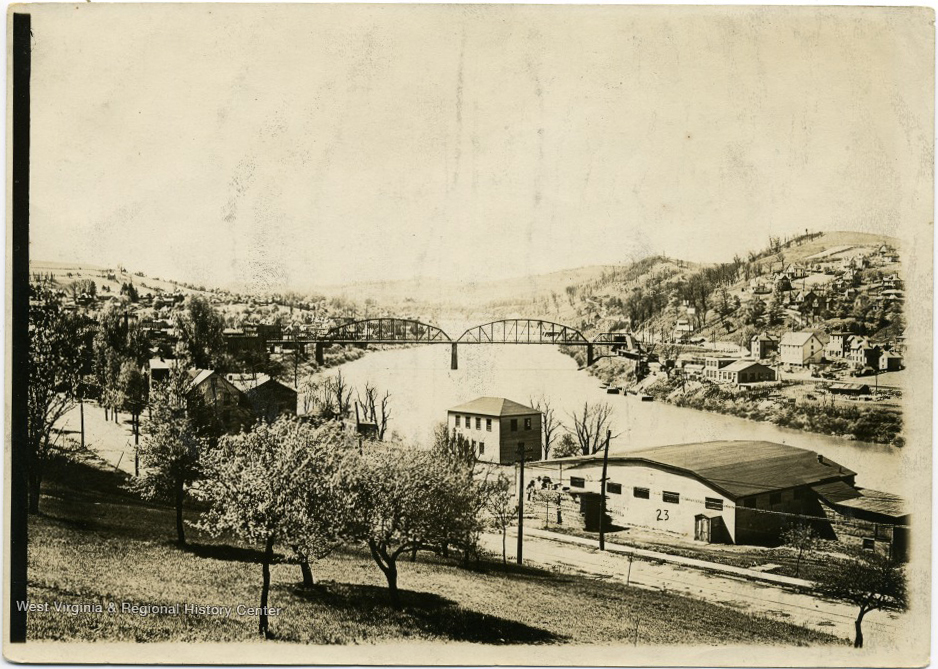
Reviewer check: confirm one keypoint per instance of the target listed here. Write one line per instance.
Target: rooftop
(494, 406)
(741, 365)
(796, 338)
(246, 382)
(738, 468)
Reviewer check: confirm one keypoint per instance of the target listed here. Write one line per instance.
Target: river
(423, 387)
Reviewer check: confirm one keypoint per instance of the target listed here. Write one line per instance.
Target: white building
(717, 492)
(800, 348)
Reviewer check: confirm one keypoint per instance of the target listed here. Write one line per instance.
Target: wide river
(423, 387)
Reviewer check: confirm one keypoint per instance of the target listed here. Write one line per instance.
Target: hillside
(118, 549)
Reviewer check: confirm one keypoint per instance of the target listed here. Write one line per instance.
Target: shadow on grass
(228, 553)
(428, 612)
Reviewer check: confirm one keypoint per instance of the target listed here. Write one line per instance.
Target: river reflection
(423, 387)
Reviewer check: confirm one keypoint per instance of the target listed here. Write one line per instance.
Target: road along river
(423, 387)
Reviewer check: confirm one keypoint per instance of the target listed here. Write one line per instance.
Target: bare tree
(311, 389)
(502, 507)
(590, 425)
(803, 537)
(869, 580)
(550, 424)
(377, 411)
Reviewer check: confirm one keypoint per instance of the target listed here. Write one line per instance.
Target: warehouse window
(488, 424)
(473, 444)
(468, 422)
(641, 493)
(481, 447)
(869, 544)
(527, 423)
(614, 488)
(576, 482)
(478, 423)
(457, 421)
(713, 503)
(514, 424)
(671, 497)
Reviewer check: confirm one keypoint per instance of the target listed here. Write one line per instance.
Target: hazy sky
(308, 145)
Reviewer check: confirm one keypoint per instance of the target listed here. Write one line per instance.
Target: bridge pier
(320, 349)
(589, 355)
(454, 362)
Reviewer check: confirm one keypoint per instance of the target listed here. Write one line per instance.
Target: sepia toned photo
(469, 334)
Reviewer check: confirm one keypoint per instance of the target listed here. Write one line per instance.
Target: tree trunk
(391, 575)
(858, 626)
(107, 415)
(308, 580)
(35, 483)
(265, 589)
(504, 545)
(180, 530)
(798, 563)
(389, 567)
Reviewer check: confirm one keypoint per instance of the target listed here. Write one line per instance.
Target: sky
(291, 146)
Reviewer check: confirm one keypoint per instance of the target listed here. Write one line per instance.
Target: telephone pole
(521, 506)
(602, 494)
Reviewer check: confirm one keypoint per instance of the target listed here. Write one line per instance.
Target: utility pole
(521, 506)
(602, 494)
(81, 413)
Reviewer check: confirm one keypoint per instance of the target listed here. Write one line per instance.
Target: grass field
(96, 543)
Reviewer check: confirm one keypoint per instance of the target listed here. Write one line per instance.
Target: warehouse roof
(742, 365)
(494, 406)
(737, 468)
(876, 501)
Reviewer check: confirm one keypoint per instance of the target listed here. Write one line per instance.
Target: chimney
(820, 458)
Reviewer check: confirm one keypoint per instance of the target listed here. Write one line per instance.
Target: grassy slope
(96, 543)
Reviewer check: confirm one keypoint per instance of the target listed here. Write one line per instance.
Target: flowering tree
(54, 378)
(171, 447)
(406, 499)
(277, 484)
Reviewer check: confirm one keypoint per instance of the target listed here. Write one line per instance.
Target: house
(743, 372)
(498, 429)
(268, 397)
(890, 361)
(158, 369)
(763, 345)
(863, 354)
(713, 365)
(683, 327)
(217, 403)
(800, 348)
(838, 346)
(718, 492)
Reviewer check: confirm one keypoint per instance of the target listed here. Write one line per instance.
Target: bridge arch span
(523, 331)
(401, 330)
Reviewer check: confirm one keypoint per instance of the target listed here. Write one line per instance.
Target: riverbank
(878, 423)
(881, 425)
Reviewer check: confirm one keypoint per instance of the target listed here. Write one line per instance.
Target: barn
(743, 492)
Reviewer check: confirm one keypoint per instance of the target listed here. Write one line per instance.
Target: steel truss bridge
(507, 331)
